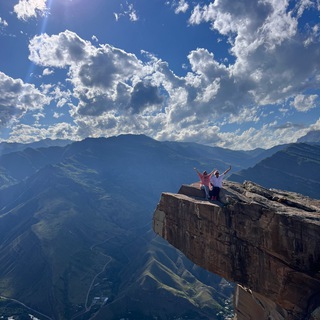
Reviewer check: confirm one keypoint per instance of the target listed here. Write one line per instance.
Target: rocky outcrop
(266, 241)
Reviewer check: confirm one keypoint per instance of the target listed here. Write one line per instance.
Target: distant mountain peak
(311, 136)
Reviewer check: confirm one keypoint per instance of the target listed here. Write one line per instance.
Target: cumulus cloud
(143, 96)
(26, 9)
(68, 49)
(111, 91)
(17, 99)
(272, 61)
(105, 79)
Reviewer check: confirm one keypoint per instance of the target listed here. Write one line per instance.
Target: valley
(75, 235)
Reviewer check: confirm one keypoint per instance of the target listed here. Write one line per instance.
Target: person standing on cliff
(205, 181)
(216, 183)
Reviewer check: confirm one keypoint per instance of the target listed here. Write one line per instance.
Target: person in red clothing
(205, 181)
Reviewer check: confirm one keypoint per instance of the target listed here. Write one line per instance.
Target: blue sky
(236, 74)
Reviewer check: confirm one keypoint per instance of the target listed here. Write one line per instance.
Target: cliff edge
(266, 241)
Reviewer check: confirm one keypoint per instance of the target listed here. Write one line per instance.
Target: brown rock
(264, 240)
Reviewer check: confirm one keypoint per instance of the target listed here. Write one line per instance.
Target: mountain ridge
(87, 208)
(80, 216)
(295, 168)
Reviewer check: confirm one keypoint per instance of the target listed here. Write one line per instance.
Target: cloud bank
(111, 91)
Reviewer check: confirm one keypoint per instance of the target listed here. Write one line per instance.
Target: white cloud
(3, 22)
(38, 116)
(127, 10)
(26, 9)
(133, 13)
(69, 48)
(116, 16)
(17, 99)
(182, 6)
(105, 79)
(26, 133)
(111, 91)
(271, 61)
(47, 72)
(305, 102)
(265, 136)
(60, 96)
(57, 115)
(94, 38)
(118, 93)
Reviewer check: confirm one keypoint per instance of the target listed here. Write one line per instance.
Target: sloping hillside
(75, 225)
(76, 239)
(295, 168)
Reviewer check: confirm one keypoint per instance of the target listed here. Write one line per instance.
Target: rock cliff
(266, 241)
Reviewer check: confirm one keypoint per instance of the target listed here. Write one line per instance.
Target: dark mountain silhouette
(295, 168)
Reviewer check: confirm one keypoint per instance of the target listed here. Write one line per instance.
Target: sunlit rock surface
(266, 241)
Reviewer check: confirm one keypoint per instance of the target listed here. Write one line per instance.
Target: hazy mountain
(220, 157)
(16, 166)
(7, 147)
(75, 232)
(258, 155)
(295, 168)
(75, 227)
(311, 136)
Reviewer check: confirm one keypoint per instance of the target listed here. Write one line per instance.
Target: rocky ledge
(266, 241)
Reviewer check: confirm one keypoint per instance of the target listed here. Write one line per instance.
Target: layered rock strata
(266, 241)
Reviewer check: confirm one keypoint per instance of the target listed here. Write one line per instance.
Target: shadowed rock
(265, 240)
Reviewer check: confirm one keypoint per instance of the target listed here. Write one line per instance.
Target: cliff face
(266, 241)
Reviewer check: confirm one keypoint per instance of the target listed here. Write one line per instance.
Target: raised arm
(227, 170)
(199, 174)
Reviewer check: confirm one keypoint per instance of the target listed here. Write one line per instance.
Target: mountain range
(75, 227)
(294, 168)
(311, 137)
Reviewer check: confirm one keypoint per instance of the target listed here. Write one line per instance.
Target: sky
(235, 74)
